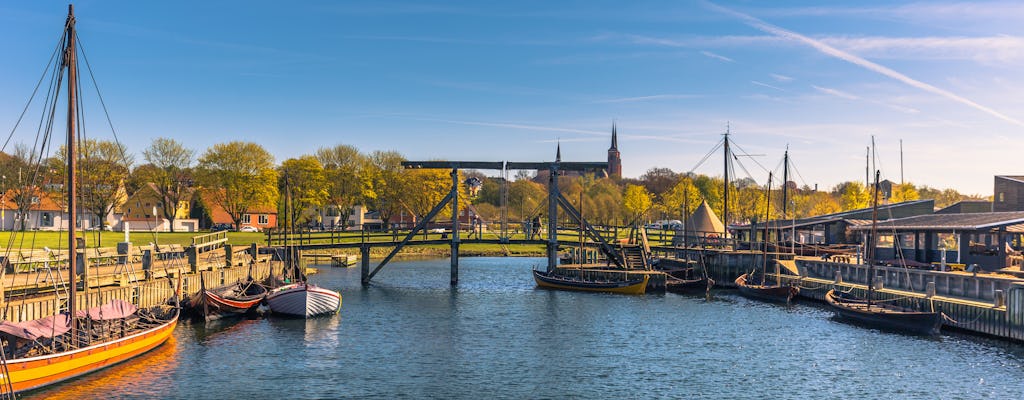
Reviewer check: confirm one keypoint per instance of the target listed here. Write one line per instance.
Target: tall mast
(874, 240)
(71, 63)
(785, 181)
(901, 161)
(725, 197)
(867, 167)
(767, 216)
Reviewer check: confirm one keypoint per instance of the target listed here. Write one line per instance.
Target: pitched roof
(1016, 178)
(948, 222)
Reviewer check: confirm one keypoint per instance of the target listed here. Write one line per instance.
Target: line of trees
(242, 176)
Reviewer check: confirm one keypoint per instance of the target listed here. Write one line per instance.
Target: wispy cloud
(835, 92)
(856, 60)
(781, 78)
(650, 98)
(768, 86)
(989, 49)
(716, 56)
(848, 96)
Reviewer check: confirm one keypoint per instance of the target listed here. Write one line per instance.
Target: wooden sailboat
(623, 286)
(42, 352)
(761, 290)
(230, 300)
(877, 314)
(300, 298)
(689, 279)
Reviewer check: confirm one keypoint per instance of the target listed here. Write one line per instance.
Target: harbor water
(411, 335)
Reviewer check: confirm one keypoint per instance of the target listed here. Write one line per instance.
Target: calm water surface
(410, 335)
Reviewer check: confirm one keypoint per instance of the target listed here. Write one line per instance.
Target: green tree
(103, 167)
(684, 193)
(239, 176)
(903, 192)
(349, 175)
(170, 171)
(853, 196)
(303, 181)
(385, 171)
(637, 201)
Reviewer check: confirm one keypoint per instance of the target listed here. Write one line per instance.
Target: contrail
(853, 59)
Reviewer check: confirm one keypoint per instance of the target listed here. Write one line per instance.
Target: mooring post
(364, 260)
(455, 226)
(553, 217)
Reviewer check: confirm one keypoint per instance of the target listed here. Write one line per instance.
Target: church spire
(558, 153)
(615, 138)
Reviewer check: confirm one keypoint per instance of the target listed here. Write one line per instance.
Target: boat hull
(228, 301)
(36, 372)
(771, 293)
(885, 317)
(634, 286)
(303, 300)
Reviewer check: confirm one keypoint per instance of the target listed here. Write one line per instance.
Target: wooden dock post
(553, 217)
(455, 227)
(193, 258)
(364, 252)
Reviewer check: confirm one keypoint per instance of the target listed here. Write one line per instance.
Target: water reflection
(145, 376)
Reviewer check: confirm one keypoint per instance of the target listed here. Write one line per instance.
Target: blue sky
(482, 80)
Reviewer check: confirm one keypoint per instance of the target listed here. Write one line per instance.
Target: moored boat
(304, 300)
(878, 314)
(761, 290)
(39, 353)
(885, 316)
(75, 341)
(226, 301)
(626, 286)
(687, 281)
(772, 293)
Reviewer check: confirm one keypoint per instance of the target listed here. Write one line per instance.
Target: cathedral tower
(614, 160)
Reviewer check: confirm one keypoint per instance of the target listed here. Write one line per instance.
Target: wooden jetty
(143, 276)
(985, 304)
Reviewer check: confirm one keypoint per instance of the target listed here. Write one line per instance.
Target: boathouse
(829, 229)
(990, 241)
(1008, 193)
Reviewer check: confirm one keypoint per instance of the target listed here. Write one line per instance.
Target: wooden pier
(145, 279)
(986, 304)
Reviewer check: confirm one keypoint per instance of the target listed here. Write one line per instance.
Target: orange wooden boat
(74, 342)
(34, 372)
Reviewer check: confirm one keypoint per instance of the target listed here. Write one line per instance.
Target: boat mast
(874, 240)
(785, 181)
(767, 216)
(725, 196)
(71, 63)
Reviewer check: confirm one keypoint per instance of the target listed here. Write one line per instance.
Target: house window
(885, 241)
(46, 219)
(1001, 197)
(264, 219)
(246, 219)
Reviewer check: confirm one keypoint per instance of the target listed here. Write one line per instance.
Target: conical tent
(704, 221)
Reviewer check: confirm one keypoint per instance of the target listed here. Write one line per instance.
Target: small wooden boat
(226, 301)
(773, 293)
(687, 281)
(630, 286)
(885, 316)
(303, 300)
